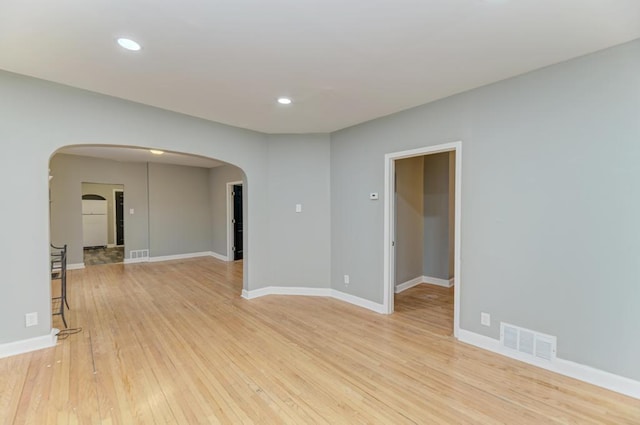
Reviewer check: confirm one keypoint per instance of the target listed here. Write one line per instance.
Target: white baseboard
(219, 256)
(176, 257)
(27, 345)
(314, 292)
(180, 256)
(76, 266)
(360, 302)
(574, 370)
(136, 260)
(447, 283)
(424, 279)
(409, 284)
(285, 290)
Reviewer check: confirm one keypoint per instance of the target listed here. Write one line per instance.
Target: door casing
(389, 223)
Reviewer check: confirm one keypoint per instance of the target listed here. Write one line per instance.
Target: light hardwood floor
(173, 343)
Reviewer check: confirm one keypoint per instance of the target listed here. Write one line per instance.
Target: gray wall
(409, 219)
(299, 174)
(436, 216)
(550, 230)
(179, 210)
(218, 179)
(69, 171)
(39, 117)
(106, 191)
(172, 206)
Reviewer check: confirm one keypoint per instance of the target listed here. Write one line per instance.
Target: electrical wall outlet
(485, 319)
(30, 319)
(346, 279)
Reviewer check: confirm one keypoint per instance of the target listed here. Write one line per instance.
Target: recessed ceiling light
(129, 44)
(284, 101)
(156, 152)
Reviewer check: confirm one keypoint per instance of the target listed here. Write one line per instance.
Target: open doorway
(174, 205)
(422, 233)
(235, 230)
(102, 223)
(118, 213)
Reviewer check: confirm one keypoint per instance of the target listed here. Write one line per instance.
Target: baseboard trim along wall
(135, 260)
(219, 256)
(180, 256)
(31, 344)
(174, 257)
(360, 302)
(76, 266)
(574, 370)
(409, 284)
(285, 290)
(447, 283)
(424, 279)
(314, 292)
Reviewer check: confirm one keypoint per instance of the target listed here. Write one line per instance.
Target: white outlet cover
(346, 279)
(298, 208)
(485, 319)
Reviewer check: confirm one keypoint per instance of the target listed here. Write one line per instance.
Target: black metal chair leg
(59, 271)
(63, 318)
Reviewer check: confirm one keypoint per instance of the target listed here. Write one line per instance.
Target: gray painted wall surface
(436, 216)
(106, 191)
(550, 231)
(39, 117)
(218, 179)
(409, 219)
(179, 210)
(69, 171)
(299, 174)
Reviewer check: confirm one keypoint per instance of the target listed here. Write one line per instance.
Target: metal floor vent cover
(139, 253)
(531, 343)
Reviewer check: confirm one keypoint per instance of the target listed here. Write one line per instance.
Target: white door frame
(115, 220)
(230, 219)
(389, 220)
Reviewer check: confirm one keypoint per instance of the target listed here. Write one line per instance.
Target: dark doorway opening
(237, 222)
(119, 202)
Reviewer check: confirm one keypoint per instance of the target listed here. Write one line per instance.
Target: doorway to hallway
(419, 203)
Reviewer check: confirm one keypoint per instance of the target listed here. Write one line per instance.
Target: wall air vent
(139, 254)
(528, 342)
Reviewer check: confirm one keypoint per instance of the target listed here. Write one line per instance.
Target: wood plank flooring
(173, 343)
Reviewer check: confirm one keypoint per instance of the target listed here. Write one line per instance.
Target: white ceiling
(342, 61)
(140, 155)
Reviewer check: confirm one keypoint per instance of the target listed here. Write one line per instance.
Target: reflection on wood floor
(428, 305)
(174, 343)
